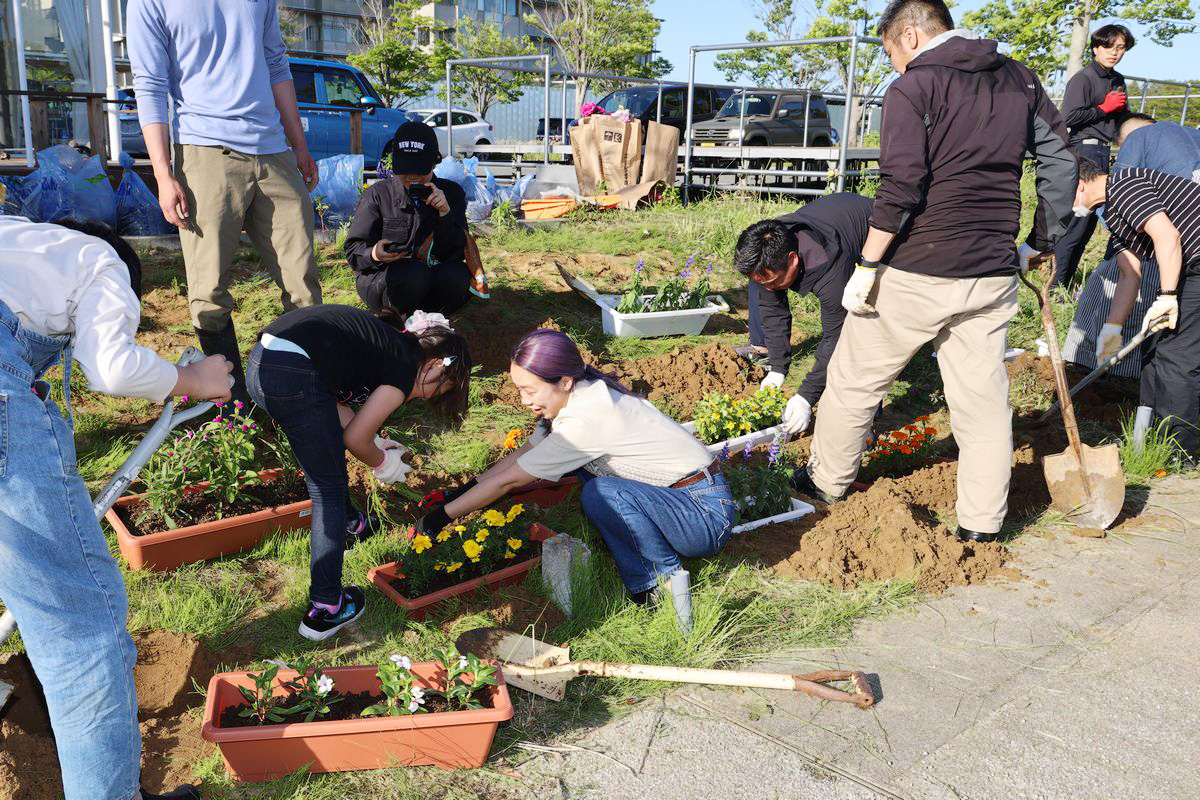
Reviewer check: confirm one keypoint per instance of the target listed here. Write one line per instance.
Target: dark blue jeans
(649, 529)
(288, 387)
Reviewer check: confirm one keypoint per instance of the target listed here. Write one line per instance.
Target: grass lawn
(246, 607)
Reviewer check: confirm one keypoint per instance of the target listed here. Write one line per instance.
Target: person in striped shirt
(1151, 214)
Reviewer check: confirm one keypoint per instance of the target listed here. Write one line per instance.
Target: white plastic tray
(738, 443)
(649, 324)
(799, 509)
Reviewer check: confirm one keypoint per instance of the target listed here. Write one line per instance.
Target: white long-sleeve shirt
(62, 282)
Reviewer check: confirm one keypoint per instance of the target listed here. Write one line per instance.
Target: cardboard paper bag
(662, 149)
(586, 156)
(618, 144)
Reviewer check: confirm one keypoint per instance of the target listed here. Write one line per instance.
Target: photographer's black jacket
(385, 211)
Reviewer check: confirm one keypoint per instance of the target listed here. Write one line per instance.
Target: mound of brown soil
(889, 531)
(682, 377)
(28, 764)
(166, 666)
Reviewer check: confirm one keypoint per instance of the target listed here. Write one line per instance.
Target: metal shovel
(1085, 483)
(129, 471)
(545, 669)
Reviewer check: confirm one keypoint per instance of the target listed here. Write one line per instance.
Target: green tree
(818, 67)
(611, 36)
(403, 52)
(481, 87)
(1045, 34)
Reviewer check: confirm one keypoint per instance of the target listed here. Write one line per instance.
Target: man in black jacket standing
(939, 263)
(813, 249)
(1093, 107)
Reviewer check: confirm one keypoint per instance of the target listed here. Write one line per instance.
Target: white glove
(797, 415)
(1108, 343)
(393, 469)
(774, 380)
(1024, 253)
(858, 289)
(1163, 312)
(389, 444)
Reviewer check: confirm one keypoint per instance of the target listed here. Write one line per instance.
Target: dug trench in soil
(167, 665)
(1107, 401)
(513, 608)
(342, 707)
(198, 508)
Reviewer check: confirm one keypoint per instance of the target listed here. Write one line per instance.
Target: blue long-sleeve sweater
(213, 62)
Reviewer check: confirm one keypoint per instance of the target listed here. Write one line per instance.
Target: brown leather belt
(712, 470)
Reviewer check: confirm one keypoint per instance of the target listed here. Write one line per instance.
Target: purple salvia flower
(691, 258)
(710, 268)
(724, 454)
(773, 453)
(641, 265)
(746, 454)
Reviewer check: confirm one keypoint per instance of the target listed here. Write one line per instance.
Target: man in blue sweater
(218, 71)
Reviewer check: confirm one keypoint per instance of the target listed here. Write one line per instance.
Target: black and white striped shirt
(1137, 194)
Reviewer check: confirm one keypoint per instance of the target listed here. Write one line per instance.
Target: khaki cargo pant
(967, 320)
(226, 192)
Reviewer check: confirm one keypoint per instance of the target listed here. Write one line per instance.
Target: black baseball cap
(414, 149)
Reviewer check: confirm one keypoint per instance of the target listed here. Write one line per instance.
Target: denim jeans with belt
(649, 529)
(59, 579)
(288, 386)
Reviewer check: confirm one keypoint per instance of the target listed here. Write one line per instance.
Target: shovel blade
(1093, 503)
(5, 691)
(523, 660)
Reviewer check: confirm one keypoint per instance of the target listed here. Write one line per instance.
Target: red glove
(1113, 101)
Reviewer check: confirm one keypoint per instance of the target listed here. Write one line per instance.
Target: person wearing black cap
(408, 243)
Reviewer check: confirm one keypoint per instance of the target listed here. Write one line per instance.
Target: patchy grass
(1156, 457)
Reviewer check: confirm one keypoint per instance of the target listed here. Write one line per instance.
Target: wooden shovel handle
(812, 683)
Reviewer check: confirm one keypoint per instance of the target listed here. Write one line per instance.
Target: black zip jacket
(831, 231)
(385, 211)
(1081, 104)
(956, 127)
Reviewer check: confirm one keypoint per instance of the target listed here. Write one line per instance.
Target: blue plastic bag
(339, 185)
(138, 213)
(515, 193)
(71, 185)
(451, 169)
(480, 208)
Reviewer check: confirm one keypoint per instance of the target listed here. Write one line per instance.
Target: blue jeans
(649, 529)
(59, 580)
(289, 388)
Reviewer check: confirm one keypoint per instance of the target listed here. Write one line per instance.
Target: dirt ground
(170, 727)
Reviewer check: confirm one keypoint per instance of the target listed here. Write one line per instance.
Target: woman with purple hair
(656, 494)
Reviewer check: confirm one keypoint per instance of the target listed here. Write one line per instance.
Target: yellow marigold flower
(421, 543)
(439, 566)
(444, 535)
(516, 511)
(509, 554)
(472, 548)
(460, 528)
(493, 517)
(514, 544)
(482, 535)
(451, 567)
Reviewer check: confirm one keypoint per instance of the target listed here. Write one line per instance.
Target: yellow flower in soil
(514, 512)
(472, 549)
(514, 544)
(451, 567)
(481, 537)
(421, 543)
(493, 517)
(509, 554)
(460, 528)
(444, 535)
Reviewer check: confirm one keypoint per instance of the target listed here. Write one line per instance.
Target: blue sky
(692, 22)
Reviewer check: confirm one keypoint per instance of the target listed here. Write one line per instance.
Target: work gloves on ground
(797, 415)
(1024, 254)
(393, 469)
(1113, 101)
(1108, 343)
(1163, 312)
(440, 497)
(774, 380)
(858, 289)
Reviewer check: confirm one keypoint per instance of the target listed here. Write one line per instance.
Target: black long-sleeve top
(1081, 104)
(386, 211)
(830, 232)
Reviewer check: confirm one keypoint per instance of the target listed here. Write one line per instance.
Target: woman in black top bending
(307, 365)
(408, 242)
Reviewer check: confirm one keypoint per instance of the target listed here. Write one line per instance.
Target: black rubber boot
(802, 482)
(184, 792)
(965, 535)
(224, 343)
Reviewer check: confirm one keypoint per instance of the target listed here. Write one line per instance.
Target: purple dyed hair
(551, 355)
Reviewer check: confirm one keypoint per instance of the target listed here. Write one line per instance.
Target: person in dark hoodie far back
(939, 263)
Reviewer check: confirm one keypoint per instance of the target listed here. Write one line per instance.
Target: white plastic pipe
(110, 82)
(23, 82)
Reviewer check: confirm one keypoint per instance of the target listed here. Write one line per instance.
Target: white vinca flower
(418, 693)
(462, 662)
(324, 684)
(402, 661)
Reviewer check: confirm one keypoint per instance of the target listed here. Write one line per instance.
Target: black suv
(642, 103)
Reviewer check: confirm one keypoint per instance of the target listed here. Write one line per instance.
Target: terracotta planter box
(545, 493)
(169, 549)
(445, 739)
(417, 607)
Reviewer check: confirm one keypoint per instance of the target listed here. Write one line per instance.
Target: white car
(469, 128)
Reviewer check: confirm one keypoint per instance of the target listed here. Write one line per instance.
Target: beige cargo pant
(226, 192)
(967, 320)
